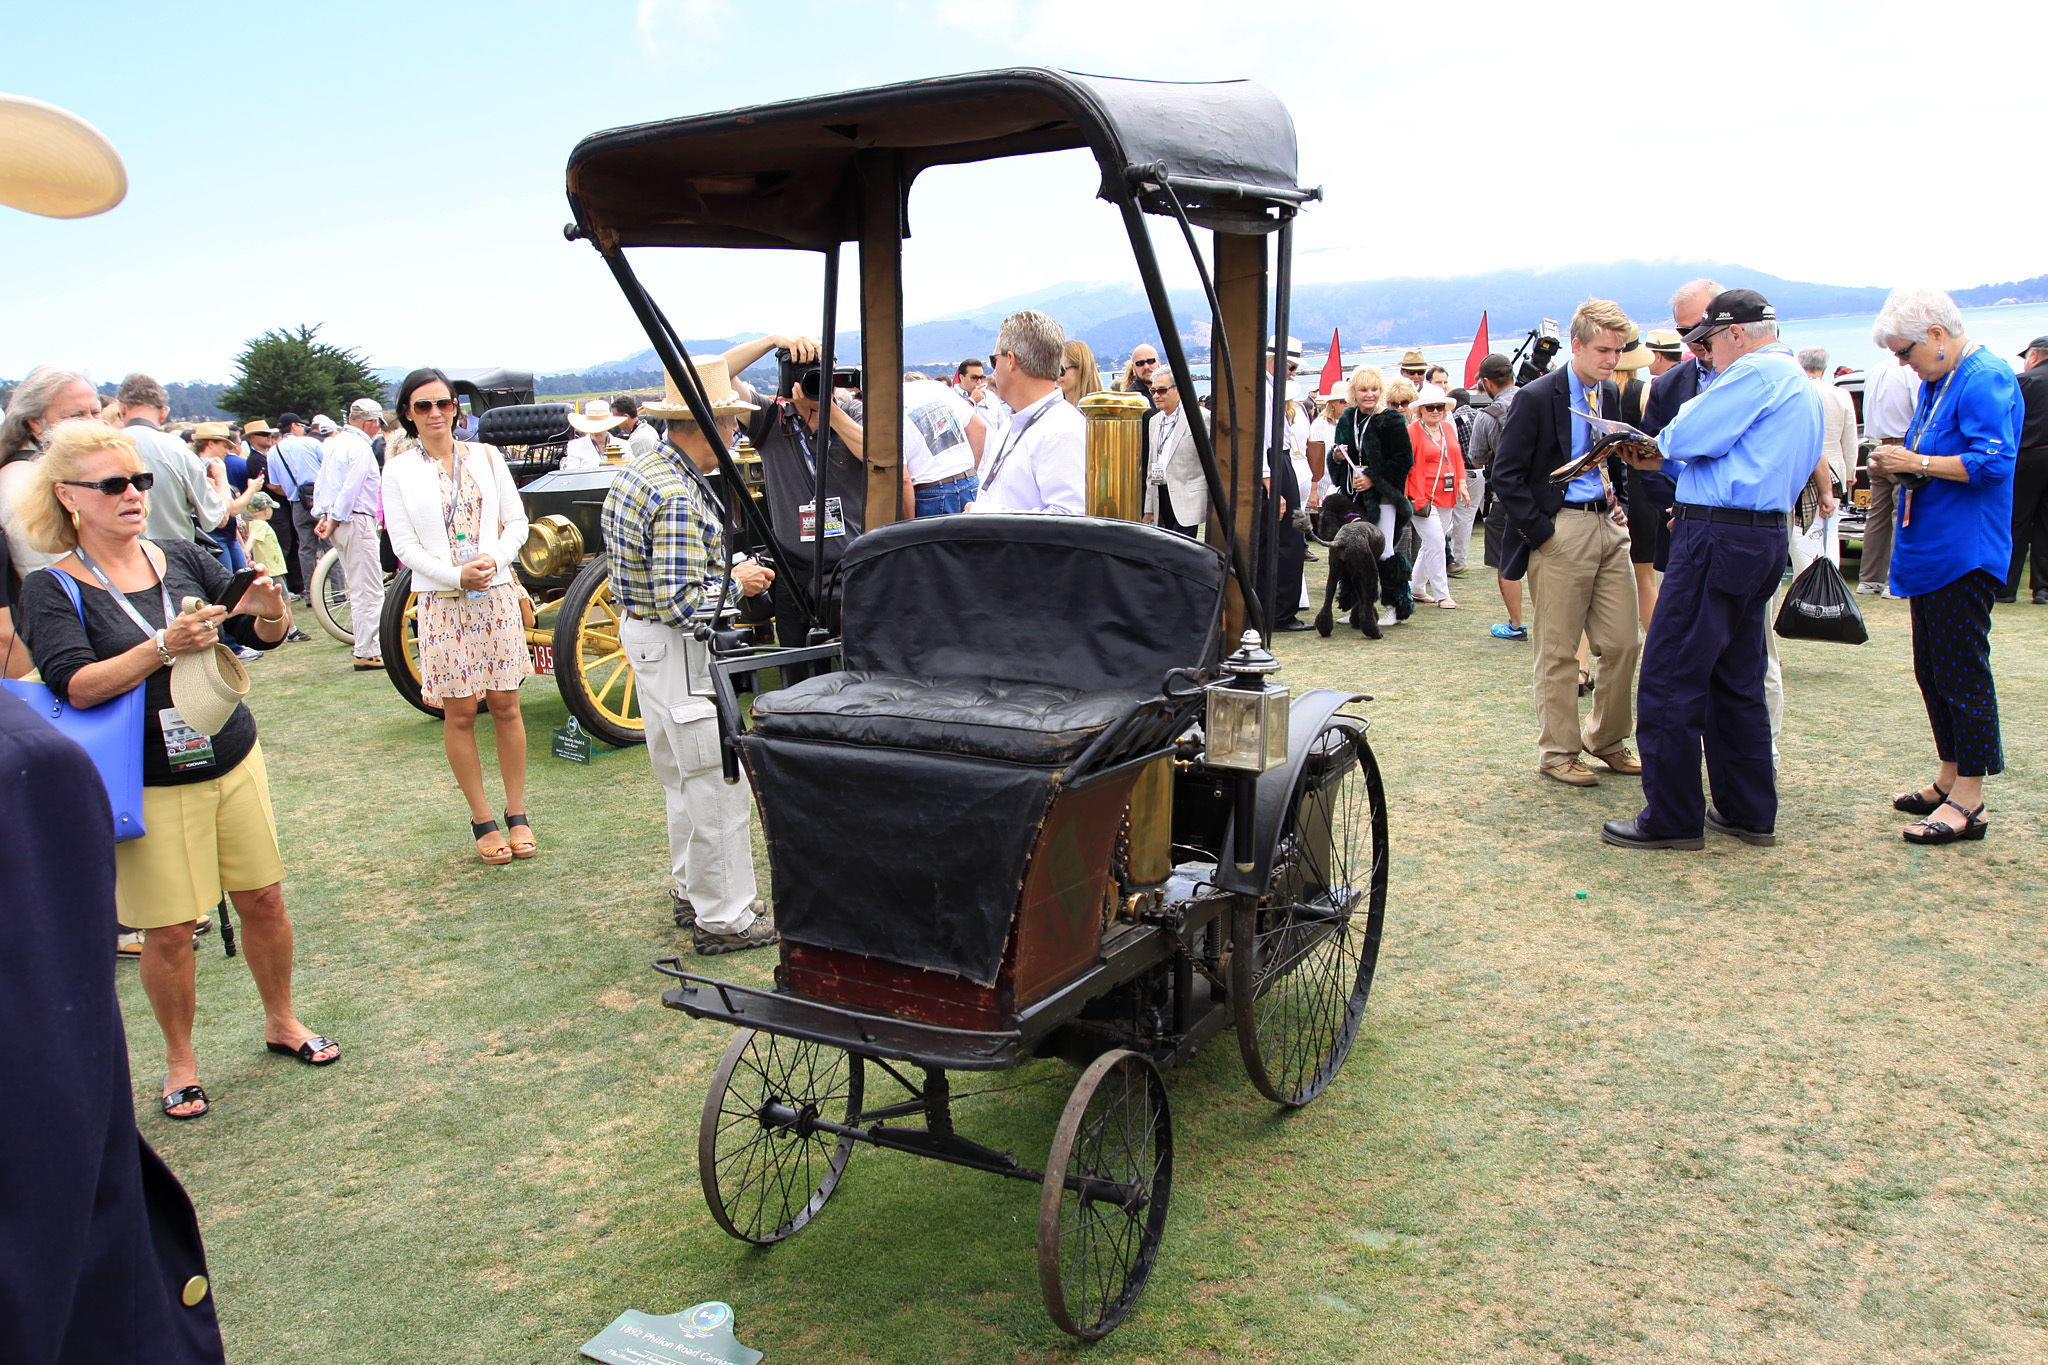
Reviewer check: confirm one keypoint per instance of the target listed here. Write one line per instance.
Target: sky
(394, 172)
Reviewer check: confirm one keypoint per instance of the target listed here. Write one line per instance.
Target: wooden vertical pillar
(1240, 267)
(882, 230)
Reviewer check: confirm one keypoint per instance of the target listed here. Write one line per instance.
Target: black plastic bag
(1821, 606)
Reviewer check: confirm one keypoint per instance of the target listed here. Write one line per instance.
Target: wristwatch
(1923, 466)
(163, 651)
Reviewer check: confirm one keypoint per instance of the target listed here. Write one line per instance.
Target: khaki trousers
(1582, 582)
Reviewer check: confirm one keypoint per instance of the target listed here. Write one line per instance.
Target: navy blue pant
(1952, 664)
(1703, 681)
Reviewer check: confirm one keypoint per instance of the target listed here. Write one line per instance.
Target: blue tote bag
(110, 734)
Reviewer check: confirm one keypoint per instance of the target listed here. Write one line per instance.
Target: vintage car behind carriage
(1048, 800)
(574, 636)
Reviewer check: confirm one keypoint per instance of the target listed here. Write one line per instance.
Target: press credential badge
(184, 746)
(807, 519)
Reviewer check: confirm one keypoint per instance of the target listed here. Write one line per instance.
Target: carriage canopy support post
(827, 400)
(1280, 442)
(1241, 297)
(1205, 442)
(882, 230)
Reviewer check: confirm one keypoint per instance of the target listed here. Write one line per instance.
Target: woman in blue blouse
(1953, 546)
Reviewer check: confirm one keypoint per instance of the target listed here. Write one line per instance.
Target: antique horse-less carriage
(1039, 806)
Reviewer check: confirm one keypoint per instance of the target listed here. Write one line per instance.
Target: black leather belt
(1600, 506)
(1734, 516)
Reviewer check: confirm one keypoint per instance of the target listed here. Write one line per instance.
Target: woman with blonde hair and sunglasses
(1078, 375)
(455, 520)
(103, 620)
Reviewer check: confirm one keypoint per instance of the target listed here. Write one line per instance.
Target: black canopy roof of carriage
(784, 175)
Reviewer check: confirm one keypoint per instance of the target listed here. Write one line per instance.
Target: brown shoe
(1572, 773)
(1623, 760)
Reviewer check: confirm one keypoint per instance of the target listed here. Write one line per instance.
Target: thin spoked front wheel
(766, 1171)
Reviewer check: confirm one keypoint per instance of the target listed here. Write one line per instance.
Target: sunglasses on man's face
(117, 485)
(422, 406)
(1147, 361)
(1164, 388)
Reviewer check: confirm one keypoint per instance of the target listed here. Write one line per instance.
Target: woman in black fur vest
(1370, 455)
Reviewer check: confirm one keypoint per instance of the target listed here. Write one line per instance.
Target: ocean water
(2004, 330)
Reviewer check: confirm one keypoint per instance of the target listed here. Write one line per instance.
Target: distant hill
(1115, 318)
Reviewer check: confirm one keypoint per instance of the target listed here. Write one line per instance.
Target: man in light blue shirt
(1743, 449)
(295, 465)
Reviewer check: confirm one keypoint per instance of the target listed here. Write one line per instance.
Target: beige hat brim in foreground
(591, 426)
(54, 163)
(207, 687)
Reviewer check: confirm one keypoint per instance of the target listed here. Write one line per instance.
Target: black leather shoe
(1292, 623)
(2004, 601)
(1762, 838)
(1625, 834)
(2041, 597)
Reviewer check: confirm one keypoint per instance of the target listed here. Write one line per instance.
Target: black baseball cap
(286, 420)
(1732, 306)
(2037, 344)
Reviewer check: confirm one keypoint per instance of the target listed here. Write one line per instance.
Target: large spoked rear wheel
(399, 631)
(330, 599)
(591, 667)
(766, 1171)
(1302, 960)
(1104, 1202)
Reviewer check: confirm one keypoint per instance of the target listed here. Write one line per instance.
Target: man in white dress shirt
(346, 496)
(1890, 393)
(1038, 461)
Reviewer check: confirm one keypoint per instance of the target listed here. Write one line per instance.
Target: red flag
(1481, 348)
(1333, 368)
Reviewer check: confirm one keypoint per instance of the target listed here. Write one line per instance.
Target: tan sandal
(496, 857)
(521, 848)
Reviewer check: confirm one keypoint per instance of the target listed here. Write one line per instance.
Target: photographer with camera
(784, 433)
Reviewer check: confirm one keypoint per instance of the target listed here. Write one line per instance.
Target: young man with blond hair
(1572, 539)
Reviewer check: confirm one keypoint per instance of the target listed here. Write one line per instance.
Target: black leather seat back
(526, 424)
(1076, 602)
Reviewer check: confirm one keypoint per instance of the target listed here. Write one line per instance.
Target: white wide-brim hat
(207, 687)
(596, 416)
(717, 384)
(1433, 396)
(54, 163)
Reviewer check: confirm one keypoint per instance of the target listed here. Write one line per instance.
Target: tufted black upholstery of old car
(984, 717)
(526, 424)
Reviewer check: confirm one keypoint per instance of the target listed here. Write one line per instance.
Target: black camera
(1538, 350)
(809, 377)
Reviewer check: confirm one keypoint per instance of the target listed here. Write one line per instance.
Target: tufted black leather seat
(1024, 722)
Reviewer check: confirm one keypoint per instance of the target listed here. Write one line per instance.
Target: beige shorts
(204, 838)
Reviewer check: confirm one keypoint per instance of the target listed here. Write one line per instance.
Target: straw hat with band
(1414, 361)
(1635, 355)
(259, 427)
(1665, 342)
(716, 382)
(595, 417)
(54, 163)
(206, 687)
(211, 431)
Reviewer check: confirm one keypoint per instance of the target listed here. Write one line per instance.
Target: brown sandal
(496, 857)
(521, 848)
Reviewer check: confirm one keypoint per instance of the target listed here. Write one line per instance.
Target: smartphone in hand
(231, 596)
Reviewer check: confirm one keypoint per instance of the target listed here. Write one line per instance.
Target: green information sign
(572, 743)
(696, 1336)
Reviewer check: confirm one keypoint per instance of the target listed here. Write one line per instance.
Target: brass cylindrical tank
(1116, 454)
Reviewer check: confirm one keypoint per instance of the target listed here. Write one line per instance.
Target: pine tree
(293, 371)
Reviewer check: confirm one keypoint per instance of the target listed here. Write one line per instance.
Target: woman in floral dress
(456, 521)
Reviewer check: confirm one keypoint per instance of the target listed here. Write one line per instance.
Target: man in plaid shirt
(665, 546)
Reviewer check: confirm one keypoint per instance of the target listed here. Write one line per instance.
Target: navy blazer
(97, 1239)
(1669, 392)
(1537, 440)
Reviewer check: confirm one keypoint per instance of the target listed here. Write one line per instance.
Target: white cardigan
(418, 526)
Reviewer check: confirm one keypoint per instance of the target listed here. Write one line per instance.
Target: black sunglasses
(1164, 388)
(1905, 351)
(422, 406)
(117, 485)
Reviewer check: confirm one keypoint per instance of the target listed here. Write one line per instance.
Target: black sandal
(184, 1094)
(1913, 803)
(521, 848)
(307, 1050)
(1585, 682)
(1934, 831)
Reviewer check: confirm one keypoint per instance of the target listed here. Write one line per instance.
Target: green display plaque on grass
(572, 742)
(696, 1336)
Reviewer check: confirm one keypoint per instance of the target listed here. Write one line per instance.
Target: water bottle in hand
(465, 551)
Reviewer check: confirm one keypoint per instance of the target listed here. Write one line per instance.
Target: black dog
(1355, 549)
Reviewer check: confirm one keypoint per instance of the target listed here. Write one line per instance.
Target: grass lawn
(1740, 1105)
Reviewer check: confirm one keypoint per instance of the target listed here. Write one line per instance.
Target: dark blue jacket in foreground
(97, 1238)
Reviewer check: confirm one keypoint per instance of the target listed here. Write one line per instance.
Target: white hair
(1763, 331)
(1814, 360)
(1909, 313)
(1685, 291)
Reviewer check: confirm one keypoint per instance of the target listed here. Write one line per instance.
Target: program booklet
(1607, 434)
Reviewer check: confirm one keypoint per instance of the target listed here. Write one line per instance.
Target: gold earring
(74, 519)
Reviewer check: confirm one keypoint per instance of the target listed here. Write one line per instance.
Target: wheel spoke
(765, 1183)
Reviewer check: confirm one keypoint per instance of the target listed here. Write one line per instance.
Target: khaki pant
(356, 538)
(1582, 582)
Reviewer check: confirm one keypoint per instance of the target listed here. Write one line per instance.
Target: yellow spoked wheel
(591, 666)
(400, 632)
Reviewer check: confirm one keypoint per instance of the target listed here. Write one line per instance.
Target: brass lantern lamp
(1246, 725)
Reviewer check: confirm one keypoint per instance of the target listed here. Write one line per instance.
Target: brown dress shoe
(1623, 760)
(1572, 773)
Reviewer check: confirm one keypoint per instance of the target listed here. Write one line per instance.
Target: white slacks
(710, 844)
(1430, 564)
(356, 538)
